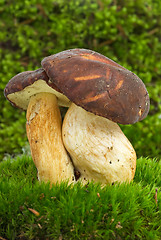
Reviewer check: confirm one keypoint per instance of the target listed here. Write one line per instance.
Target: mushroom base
(98, 148)
(44, 134)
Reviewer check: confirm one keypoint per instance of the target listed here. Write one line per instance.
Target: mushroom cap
(23, 85)
(99, 85)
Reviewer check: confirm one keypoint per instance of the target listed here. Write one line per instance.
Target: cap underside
(21, 98)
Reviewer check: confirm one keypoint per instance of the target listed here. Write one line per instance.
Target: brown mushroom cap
(22, 86)
(99, 85)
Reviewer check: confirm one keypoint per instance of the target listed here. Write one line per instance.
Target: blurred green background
(128, 32)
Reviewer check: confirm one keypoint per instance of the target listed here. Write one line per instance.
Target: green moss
(126, 31)
(121, 211)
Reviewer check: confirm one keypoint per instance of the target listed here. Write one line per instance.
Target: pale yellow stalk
(98, 148)
(44, 134)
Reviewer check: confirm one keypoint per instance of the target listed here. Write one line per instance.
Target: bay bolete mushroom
(33, 91)
(103, 94)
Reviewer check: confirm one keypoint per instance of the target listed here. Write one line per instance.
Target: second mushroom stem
(44, 134)
(98, 148)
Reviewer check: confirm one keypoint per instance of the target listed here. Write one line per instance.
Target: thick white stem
(44, 134)
(98, 147)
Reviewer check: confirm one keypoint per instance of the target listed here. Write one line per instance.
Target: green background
(128, 32)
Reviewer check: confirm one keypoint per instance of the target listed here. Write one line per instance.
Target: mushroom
(33, 90)
(102, 93)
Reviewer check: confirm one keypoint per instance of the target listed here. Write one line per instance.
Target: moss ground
(33, 210)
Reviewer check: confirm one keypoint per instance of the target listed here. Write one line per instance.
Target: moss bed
(32, 210)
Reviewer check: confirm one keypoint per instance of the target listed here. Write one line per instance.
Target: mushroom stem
(98, 148)
(44, 134)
